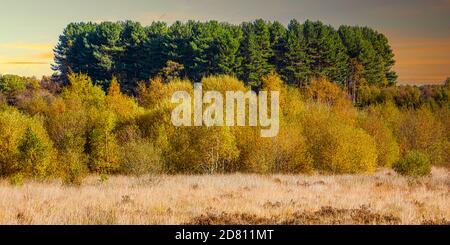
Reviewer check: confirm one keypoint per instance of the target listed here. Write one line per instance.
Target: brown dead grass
(326, 215)
(384, 198)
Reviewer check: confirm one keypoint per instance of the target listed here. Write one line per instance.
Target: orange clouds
(422, 60)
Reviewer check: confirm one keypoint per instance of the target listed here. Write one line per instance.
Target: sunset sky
(419, 31)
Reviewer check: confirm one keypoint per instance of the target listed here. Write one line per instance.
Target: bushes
(102, 144)
(10, 84)
(137, 156)
(200, 150)
(285, 153)
(321, 89)
(414, 163)
(84, 131)
(36, 154)
(336, 147)
(72, 166)
(388, 150)
(421, 130)
(25, 147)
(124, 107)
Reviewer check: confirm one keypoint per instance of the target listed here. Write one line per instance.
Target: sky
(419, 31)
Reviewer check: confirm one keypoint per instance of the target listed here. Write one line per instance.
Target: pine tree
(326, 52)
(295, 67)
(277, 40)
(130, 66)
(359, 47)
(155, 49)
(384, 53)
(255, 53)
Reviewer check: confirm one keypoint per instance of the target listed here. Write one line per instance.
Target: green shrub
(103, 178)
(35, 154)
(137, 155)
(201, 150)
(16, 179)
(12, 83)
(73, 167)
(3, 101)
(24, 146)
(414, 163)
(139, 158)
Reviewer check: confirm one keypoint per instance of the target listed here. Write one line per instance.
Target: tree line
(50, 130)
(351, 56)
(108, 109)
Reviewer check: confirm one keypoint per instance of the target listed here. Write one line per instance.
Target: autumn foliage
(79, 129)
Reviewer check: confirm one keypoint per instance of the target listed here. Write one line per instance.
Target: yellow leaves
(149, 95)
(82, 89)
(335, 146)
(323, 90)
(14, 126)
(201, 150)
(285, 153)
(223, 83)
(272, 82)
(387, 147)
(421, 130)
(123, 106)
(103, 144)
(112, 133)
(114, 88)
(156, 91)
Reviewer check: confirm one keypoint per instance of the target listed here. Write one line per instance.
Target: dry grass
(384, 198)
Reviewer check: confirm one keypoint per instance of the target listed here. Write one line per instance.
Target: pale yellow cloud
(44, 56)
(26, 58)
(25, 63)
(27, 46)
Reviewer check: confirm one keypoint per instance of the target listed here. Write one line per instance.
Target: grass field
(384, 198)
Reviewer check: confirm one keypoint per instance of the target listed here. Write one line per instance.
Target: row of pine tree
(249, 51)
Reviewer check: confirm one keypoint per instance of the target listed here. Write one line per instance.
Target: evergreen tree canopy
(249, 51)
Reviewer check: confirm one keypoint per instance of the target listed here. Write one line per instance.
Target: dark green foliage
(255, 52)
(295, 63)
(372, 50)
(415, 164)
(277, 40)
(214, 48)
(134, 53)
(325, 51)
(132, 61)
